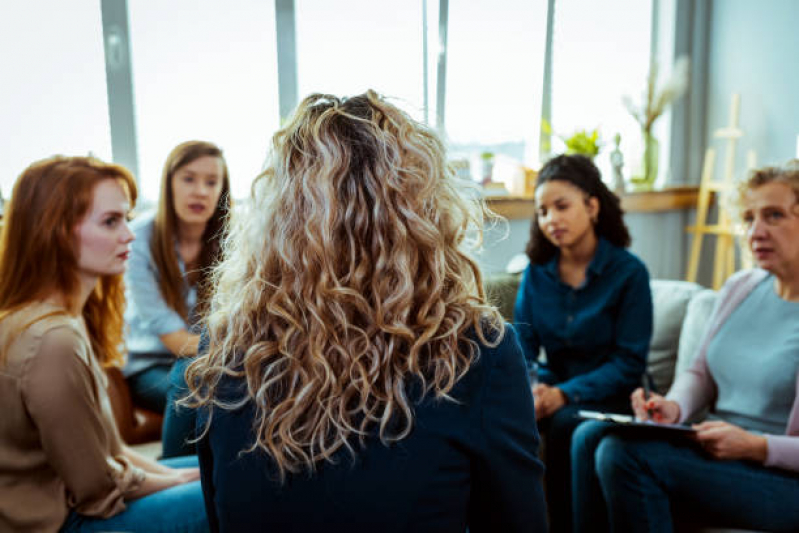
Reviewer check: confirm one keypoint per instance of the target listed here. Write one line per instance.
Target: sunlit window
(53, 89)
(601, 52)
(203, 69)
(495, 63)
(348, 46)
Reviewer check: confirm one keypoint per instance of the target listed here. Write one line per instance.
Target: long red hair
(38, 245)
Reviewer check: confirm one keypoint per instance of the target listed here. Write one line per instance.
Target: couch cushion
(670, 300)
(696, 316)
(501, 289)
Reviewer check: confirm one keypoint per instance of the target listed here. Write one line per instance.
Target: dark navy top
(596, 337)
(466, 463)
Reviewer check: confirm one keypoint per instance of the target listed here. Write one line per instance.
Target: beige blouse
(59, 445)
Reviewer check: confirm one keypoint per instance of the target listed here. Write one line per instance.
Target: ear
(593, 207)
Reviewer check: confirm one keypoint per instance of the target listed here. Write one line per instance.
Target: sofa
(681, 311)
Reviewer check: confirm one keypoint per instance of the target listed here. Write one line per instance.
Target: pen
(647, 394)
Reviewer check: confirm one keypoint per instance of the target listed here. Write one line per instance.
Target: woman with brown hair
(354, 361)
(167, 281)
(63, 466)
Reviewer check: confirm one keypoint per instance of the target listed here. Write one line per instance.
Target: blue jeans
(643, 479)
(149, 387)
(556, 432)
(179, 509)
(179, 422)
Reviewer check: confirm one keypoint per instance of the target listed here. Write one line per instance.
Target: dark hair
(581, 172)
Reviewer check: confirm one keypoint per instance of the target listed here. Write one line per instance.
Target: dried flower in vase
(656, 100)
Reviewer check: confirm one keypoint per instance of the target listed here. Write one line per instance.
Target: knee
(615, 457)
(587, 437)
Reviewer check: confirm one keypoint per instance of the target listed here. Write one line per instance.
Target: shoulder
(744, 280)
(40, 333)
(502, 348)
(622, 259)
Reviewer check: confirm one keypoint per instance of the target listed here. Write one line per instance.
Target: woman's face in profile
(103, 235)
(772, 227)
(196, 187)
(564, 213)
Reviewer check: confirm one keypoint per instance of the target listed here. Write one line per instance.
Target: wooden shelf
(670, 199)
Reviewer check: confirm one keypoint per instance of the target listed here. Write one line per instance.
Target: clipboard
(630, 421)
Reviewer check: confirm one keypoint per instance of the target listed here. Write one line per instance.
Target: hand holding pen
(652, 406)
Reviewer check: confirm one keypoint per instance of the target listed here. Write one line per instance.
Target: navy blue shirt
(596, 337)
(466, 463)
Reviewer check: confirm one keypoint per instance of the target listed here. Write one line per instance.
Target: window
(53, 94)
(349, 46)
(495, 61)
(203, 70)
(601, 52)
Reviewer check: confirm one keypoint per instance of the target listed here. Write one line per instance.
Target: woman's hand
(656, 408)
(157, 482)
(726, 441)
(548, 400)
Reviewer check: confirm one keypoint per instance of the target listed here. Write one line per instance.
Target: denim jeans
(648, 483)
(179, 422)
(179, 509)
(556, 432)
(149, 387)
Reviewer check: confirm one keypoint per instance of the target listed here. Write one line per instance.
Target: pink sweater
(695, 388)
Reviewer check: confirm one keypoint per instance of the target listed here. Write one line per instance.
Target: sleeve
(507, 492)
(694, 389)
(633, 334)
(145, 295)
(783, 450)
(61, 398)
(523, 322)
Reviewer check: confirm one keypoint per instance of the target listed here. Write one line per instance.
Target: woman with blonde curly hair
(353, 359)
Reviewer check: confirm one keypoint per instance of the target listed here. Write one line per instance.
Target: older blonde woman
(742, 468)
(357, 380)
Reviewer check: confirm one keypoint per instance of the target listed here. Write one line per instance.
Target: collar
(598, 263)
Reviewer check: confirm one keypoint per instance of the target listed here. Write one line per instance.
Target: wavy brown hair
(38, 245)
(346, 280)
(170, 279)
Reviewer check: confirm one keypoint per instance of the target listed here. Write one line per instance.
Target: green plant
(583, 142)
(580, 142)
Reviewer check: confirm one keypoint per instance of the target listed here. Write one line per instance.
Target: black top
(467, 463)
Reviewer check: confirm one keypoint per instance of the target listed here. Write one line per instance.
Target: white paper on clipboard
(628, 420)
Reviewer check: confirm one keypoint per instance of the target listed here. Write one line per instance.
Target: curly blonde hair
(345, 279)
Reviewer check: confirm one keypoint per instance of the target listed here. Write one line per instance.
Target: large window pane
(53, 90)
(204, 69)
(495, 64)
(348, 46)
(601, 52)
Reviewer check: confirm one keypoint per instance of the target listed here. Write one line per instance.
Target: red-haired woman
(63, 466)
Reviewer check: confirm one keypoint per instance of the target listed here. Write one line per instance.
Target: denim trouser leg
(179, 422)
(588, 503)
(149, 387)
(557, 434)
(179, 509)
(645, 480)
